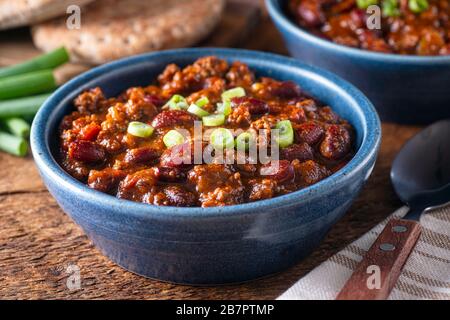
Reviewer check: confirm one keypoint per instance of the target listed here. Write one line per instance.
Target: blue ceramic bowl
(403, 88)
(213, 245)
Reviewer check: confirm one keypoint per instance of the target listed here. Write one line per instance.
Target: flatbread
(17, 13)
(112, 29)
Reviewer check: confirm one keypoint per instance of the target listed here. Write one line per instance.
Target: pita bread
(112, 29)
(17, 13)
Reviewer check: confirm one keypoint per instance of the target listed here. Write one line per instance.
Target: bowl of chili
(205, 244)
(403, 73)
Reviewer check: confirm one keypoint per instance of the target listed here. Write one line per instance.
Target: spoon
(420, 175)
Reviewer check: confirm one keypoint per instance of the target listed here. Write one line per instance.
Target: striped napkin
(425, 276)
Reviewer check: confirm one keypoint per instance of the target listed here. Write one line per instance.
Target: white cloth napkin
(425, 276)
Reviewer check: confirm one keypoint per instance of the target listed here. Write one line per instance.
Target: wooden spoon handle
(379, 270)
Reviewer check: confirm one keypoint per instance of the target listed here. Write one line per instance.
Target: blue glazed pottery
(404, 89)
(212, 245)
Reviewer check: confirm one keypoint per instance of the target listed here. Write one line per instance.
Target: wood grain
(389, 261)
(38, 241)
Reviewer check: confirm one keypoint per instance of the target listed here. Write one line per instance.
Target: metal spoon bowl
(420, 173)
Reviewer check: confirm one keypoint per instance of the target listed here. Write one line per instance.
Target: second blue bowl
(404, 89)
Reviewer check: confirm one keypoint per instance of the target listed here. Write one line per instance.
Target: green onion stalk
(22, 107)
(14, 145)
(17, 126)
(27, 84)
(46, 61)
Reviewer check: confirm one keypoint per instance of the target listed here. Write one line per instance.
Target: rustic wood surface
(38, 241)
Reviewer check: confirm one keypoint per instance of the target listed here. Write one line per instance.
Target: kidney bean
(86, 151)
(155, 100)
(106, 180)
(311, 13)
(300, 151)
(358, 17)
(166, 174)
(255, 106)
(309, 132)
(180, 156)
(141, 155)
(287, 90)
(280, 170)
(336, 143)
(170, 118)
(179, 197)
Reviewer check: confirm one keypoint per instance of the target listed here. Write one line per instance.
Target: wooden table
(38, 241)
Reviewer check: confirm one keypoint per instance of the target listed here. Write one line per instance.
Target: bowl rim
(279, 16)
(50, 168)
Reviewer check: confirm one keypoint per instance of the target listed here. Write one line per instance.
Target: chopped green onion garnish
(244, 140)
(140, 129)
(173, 138)
(418, 6)
(224, 108)
(177, 102)
(27, 84)
(202, 102)
(222, 139)
(14, 145)
(364, 4)
(45, 61)
(22, 107)
(233, 93)
(199, 112)
(390, 8)
(17, 126)
(214, 120)
(286, 133)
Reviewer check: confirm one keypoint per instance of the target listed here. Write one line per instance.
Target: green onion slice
(177, 102)
(27, 84)
(222, 139)
(233, 93)
(17, 126)
(364, 4)
(140, 129)
(244, 140)
(286, 133)
(214, 120)
(199, 112)
(224, 108)
(173, 138)
(418, 6)
(22, 107)
(390, 8)
(45, 61)
(202, 102)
